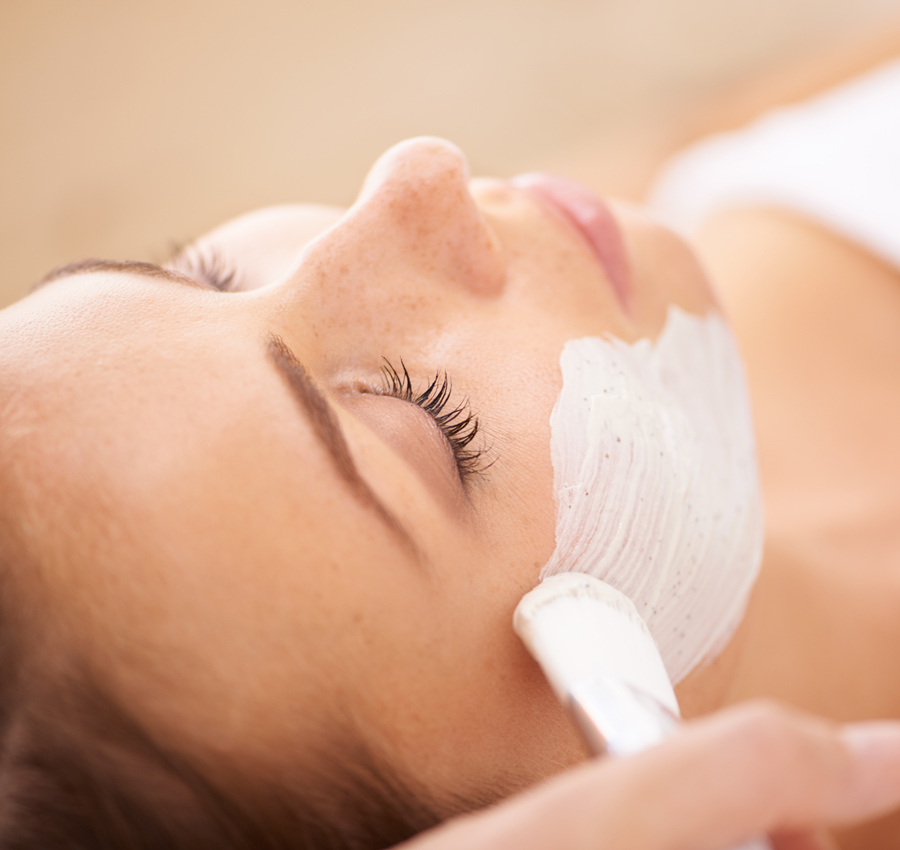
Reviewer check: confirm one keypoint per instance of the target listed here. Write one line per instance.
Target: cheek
(515, 507)
(458, 699)
(462, 704)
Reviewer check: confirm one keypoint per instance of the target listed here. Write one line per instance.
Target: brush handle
(619, 720)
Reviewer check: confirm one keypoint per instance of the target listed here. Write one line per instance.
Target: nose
(417, 198)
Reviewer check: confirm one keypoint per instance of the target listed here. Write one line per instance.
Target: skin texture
(821, 361)
(227, 577)
(752, 770)
(191, 600)
(816, 318)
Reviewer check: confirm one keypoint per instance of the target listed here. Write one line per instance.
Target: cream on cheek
(656, 480)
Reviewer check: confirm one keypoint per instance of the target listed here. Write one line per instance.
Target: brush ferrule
(618, 719)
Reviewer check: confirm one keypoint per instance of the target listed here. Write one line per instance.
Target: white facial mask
(656, 483)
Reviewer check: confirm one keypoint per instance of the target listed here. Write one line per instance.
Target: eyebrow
(119, 266)
(328, 431)
(310, 400)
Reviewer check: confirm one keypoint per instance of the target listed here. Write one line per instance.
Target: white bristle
(578, 627)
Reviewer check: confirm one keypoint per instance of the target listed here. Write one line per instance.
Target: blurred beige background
(127, 126)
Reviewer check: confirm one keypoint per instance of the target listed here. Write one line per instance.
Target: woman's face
(247, 523)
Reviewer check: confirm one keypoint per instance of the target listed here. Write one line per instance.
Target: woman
(267, 512)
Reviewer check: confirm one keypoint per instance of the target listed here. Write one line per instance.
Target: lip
(593, 220)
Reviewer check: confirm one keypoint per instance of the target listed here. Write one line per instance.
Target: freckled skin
(195, 537)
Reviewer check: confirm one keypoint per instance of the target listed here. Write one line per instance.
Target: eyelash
(457, 422)
(208, 266)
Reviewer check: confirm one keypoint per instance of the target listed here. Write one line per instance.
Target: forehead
(129, 381)
(182, 509)
(77, 354)
(123, 389)
(90, 348)
(167, 454)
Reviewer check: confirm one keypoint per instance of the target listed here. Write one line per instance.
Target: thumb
(762, 769)
(722, 781)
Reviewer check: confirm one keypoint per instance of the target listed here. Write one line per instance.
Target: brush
(601, 660)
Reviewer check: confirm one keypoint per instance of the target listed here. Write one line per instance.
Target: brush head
(578, 628)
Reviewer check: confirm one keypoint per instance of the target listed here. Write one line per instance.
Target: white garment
(834, 158)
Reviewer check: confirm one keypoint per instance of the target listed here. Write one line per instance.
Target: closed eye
(456, 421)
(207, 265)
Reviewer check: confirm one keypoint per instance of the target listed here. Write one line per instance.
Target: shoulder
(786, 85)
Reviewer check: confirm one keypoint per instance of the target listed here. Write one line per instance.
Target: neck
(817, 322)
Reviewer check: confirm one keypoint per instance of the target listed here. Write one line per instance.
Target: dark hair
(78, 772)
(81, 774)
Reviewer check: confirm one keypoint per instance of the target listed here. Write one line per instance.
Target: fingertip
(874, 750)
